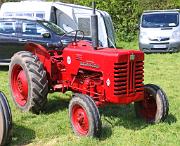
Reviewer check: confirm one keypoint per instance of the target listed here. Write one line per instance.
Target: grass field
(120, 125)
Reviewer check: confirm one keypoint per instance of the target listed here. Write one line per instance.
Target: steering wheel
(75, 36)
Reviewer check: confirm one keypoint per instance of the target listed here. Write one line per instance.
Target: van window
(32, 29)
(28, 14)
(84, 25)
(109, 29)
(40, 15)
(20, 14)
(160, 20)
(53, 15)
(8, 14)
(7, 27)
(25, 14)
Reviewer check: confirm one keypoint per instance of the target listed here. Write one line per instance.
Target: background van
(160, 31)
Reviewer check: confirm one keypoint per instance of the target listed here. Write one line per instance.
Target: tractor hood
(117, 52)
(84, 55)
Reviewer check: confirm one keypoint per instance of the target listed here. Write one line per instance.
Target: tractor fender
(38, 50)
(42, 53)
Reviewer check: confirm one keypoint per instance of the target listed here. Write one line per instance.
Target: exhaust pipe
(94, 27)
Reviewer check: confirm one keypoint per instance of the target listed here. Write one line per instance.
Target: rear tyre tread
(37, 78)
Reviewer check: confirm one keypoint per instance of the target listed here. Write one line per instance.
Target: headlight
(143, 35)
(176, 35)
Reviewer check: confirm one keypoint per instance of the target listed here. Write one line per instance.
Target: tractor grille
(128, 78)
(139, 76)
(120, 78)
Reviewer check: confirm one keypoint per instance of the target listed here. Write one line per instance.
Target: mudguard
(5, 121)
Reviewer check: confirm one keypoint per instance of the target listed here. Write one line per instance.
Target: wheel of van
(84, 116)
(154, 108)
(5, 121)
(28, 82)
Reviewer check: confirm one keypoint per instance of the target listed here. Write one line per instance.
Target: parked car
(16, 32)
(67, 16)
(160, 31)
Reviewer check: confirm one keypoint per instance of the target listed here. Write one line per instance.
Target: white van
(67, 16)
(160, 31)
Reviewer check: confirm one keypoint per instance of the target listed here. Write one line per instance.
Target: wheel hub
(22, 83)
(19, 85)
(80, 120)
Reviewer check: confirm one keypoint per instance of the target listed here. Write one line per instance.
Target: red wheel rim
(148, 106)
(80, 120)
(19, 85)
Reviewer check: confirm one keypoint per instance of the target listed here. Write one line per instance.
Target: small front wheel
(154, 108)
(84, 116)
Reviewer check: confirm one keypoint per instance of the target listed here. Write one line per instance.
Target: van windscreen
(160, 20)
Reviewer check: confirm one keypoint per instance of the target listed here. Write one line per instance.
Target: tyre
(154, 108)
(28, 82)
(84, 116)
(5, 121)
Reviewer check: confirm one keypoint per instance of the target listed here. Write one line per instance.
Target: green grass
(120, 125)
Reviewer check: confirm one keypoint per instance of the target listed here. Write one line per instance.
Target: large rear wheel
(154, 108)
(28, 82)
(84, 116)
(5, 121)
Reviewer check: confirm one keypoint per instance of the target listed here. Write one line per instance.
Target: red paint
(80, 119)
(148, 107)
(19, 85)
(107, 75)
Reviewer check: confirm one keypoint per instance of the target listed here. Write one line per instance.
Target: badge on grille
(132, 57)
(108, 82)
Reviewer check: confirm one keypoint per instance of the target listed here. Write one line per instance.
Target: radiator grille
(128, 77)
(120, 78)
(139, 76)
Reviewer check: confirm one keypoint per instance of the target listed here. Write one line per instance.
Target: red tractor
(97, 76)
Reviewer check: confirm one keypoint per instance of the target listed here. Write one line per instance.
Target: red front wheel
(80, 119)
(84, 116)
(154, 108)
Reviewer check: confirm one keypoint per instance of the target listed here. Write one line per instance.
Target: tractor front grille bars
(128, 78)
